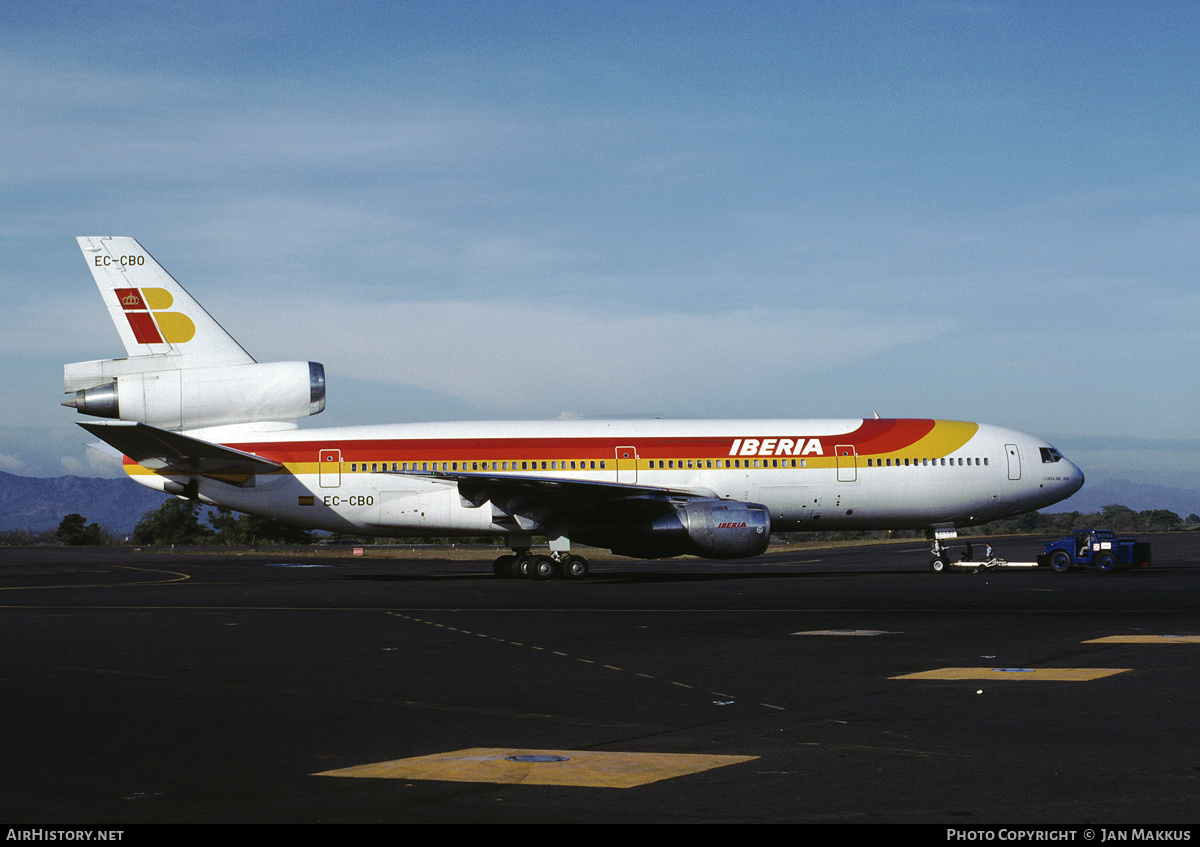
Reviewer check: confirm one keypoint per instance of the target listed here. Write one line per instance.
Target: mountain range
(38, 503)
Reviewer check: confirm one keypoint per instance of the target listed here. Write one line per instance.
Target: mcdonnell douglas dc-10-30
(195, 416)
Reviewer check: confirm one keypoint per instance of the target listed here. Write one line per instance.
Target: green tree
(175, 522)
(76, 531)
(1118, 518)
(1159, 520)
(252, 530)
(229, 530)
(72, 529)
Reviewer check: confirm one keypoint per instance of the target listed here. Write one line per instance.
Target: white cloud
(530, 358)
(10, 463)
(98, 460)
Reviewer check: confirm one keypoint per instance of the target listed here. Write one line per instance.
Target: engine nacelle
(713, 529)
(725, 529)
(191, 398)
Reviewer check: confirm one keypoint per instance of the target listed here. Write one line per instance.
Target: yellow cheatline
(1146, 639)
(521, 766)
(1017, 674)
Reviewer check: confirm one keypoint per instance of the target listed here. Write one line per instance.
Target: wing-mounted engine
(725, 529)
(157, 391)
(641, 521)
(658, 529)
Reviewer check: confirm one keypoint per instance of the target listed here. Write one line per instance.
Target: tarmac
(844, 685)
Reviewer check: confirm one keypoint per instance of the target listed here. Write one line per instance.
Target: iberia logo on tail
(150, 324)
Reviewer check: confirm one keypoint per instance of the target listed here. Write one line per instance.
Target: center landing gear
(526, 565)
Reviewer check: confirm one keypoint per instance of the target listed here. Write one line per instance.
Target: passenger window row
(404, 467)
(942, 462)
(650, 464)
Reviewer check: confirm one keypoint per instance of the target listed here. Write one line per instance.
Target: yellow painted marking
(586, 769)
(158, 298)
(176, 327)
(1015, 674)
(844, 632)
(174, 576)
(942, 440)
(1146, 639)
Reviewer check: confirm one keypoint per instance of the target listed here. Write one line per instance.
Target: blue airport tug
(1095, 548)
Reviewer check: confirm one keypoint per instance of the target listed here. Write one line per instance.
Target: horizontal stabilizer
(161, 449)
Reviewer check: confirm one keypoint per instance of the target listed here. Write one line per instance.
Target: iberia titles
(776, 447)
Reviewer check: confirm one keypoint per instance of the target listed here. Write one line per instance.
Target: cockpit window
(1049, 454)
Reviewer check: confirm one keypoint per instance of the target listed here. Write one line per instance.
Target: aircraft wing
(533, 501)
(162, 449)
(550, 491)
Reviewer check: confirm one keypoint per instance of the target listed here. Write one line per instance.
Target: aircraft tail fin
(183, 371)
(152, 312)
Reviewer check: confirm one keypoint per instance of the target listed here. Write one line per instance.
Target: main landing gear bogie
(538, 567)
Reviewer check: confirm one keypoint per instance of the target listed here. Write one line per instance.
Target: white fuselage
(810, 474)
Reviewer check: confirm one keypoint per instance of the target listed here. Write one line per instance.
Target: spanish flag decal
(144, 309)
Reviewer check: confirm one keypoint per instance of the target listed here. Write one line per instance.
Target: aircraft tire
(1060, 561)
(573, 567)
(938, 565)
(540, 568)
(503, 566)
(1105, 563)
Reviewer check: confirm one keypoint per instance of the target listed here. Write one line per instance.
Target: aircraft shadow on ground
(629, 577)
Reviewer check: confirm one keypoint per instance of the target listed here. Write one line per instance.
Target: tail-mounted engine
(149, 390)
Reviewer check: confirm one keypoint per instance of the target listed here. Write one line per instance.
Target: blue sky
(977, 210)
